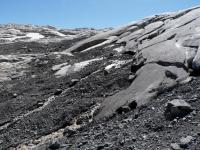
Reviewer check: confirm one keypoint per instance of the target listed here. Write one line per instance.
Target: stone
(73, 82)
(15, 95)
(185, 141)
(131, 77)
(58, 92)
(175, 146)
(177, 108)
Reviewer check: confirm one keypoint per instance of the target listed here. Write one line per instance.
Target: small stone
(15, 95)
(73, 82)
(40, 104)
(185, 141)
(33, 76)
(144, 136)
(121, 126)
(1, 141)
(175, 146)
(122, 142)
(136, 115)
(58, 92)
(177, 108)
(133, 139)
(131, 78)
(105, 72)
(127, 120)
(174, 121)
(194, 113)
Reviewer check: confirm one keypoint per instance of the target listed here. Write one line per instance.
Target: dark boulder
(177, 108)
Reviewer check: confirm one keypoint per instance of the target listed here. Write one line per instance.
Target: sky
(85, 13)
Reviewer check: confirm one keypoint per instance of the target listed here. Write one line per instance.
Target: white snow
(81, 65)
(119, 49)
(55, 32)
(58, 33)
(178, 45)
(63, 53)
(57, 67)
(109, 40)
(35, 36)
(64, 69)
(116, 64)
(14, 65)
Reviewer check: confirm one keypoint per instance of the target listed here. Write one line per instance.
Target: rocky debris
(177, 108)
(76, 79)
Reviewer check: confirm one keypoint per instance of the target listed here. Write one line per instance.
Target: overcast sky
(85, 13)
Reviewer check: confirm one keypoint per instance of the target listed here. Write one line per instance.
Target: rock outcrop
(55, 81)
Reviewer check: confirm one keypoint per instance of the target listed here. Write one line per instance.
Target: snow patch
(109, 40)
(35, 36)
(178, 45)
(116, 64)
(63, 53)
(119, 49)
(57, 67)
(57, 33)
(13, 66)
(64, 69)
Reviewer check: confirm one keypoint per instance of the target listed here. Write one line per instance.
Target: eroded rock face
(64, 79)
(166, 44)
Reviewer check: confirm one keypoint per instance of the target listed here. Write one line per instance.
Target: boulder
(175, 146)
(185, 141)
(177, 108)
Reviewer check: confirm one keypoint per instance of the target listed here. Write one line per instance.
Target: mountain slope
(61, 87)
